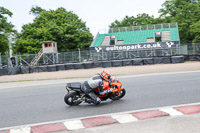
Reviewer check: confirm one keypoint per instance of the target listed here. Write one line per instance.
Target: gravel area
(114, 71)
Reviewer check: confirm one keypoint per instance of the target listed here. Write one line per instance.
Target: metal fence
(138, 28)
(84, 56)
(133, 54)
(4, 61)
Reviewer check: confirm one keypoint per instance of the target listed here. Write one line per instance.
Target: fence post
(20, 59)
(64, 57)
(177, 49)
(53, 59)
(126, 54)
(10, 45)
(79, 54)
(16, 60)
(0, 62)
(10, 65)
(171, 51)
(72, 57)
(137, 53)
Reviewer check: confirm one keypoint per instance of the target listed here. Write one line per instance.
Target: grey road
(43, 103)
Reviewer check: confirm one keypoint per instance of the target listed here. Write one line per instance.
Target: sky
(98, 14)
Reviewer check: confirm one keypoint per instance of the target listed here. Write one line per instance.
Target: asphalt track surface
(43, 103)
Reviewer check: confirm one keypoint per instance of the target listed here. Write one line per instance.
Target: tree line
(66, 28)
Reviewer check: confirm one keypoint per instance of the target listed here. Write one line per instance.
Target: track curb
(107, 119)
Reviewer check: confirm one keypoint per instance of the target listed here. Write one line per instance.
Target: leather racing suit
(93, 83)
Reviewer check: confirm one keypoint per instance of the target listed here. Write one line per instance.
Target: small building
(49, 47)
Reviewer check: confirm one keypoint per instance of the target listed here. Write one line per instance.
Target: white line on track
(162, 73)
(59, 81)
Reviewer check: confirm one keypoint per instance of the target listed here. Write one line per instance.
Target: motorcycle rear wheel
(116, 97)
(70, 99)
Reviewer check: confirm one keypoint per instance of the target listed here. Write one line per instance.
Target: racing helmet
(105, 75)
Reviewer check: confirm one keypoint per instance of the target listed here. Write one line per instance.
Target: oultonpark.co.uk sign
(129, 47)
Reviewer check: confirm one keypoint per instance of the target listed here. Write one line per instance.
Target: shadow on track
(102, 104)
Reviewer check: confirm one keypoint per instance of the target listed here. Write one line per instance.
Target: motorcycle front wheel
(121, 94)
(72, 99)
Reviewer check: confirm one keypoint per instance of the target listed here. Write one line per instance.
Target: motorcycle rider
(93, 83)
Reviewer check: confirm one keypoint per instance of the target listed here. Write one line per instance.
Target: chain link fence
(4, 61)
(133, 54)
(87, 55)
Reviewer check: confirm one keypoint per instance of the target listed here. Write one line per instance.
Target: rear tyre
(72, 99)
(117, 97)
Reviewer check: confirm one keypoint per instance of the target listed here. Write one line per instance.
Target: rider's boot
(91, 101)
(105, 91)
(88, 100)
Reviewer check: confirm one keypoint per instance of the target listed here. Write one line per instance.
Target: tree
(185, 12)
(36, 10)
(59, 25)
(195, 31)
(5, 29)
(141, 19)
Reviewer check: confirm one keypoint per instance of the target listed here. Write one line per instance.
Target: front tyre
(118, 96)
(72, 99)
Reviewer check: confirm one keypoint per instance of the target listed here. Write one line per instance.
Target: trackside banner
(171, 44)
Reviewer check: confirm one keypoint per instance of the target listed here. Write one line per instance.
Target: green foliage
(58, 25)
(5, 29)
(36, 10)
(185, 12)
(140, 19)
(195, 31)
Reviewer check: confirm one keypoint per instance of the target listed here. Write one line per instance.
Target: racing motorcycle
(76, 96)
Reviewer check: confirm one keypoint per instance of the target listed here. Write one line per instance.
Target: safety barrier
(104, 64)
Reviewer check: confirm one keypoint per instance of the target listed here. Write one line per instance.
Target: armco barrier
(33, 69)
(116, 63)
(98, 64)
(60, 67)
(158, 60)
(186, 57)
(177, 59)
(162, 60)
(25, 70)
(106, 64)
(85, 65)
(42, 69)
(69, 66)
(167, 60)
(78, 66)
(137, 61)
(3, 72)
(194, 57)
(127, 62)
(88, 65)
(148, 61)
(51, 68)
(14, 70)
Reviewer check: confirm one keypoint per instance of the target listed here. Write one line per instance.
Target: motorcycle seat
(74, 85)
